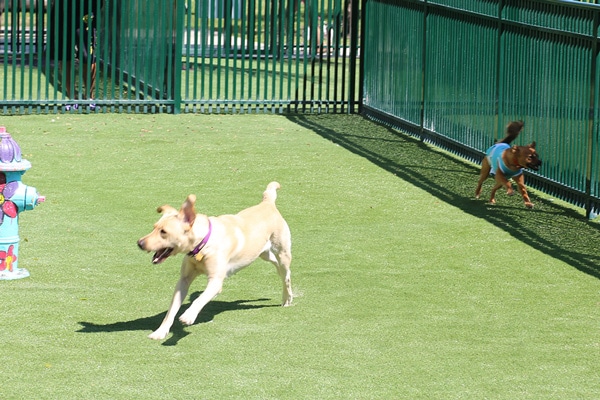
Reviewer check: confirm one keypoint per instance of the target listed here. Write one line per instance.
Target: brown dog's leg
(493, 194)
(483, 174)
(520, 180)
(500, 181)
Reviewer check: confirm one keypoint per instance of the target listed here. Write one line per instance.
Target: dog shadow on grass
(178, 331)
(553, 229)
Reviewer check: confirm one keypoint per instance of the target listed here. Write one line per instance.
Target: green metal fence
(455, 72)
(179, 56)
(270, 55)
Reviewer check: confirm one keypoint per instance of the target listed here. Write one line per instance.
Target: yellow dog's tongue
(161, 255)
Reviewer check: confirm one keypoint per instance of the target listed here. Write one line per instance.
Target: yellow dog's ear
(188, 211)
(166, 209)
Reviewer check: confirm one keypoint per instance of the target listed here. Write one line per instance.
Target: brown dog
(505, 162)
(218, 247)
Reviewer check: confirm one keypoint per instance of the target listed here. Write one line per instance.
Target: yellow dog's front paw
(187, 319)
(158, 334)
(286, 303)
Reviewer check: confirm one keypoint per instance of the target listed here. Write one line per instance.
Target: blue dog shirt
(494, 156)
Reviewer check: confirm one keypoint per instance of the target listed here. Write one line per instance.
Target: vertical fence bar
(300, 54)
(39, 45)
(4, 31)
(423, 71)
(206, 45)
(21, 19)
(113, 54)
(186, 31)
(498, 109)
(592, 115)
(246, 16)
(178, 19)
(28, 53)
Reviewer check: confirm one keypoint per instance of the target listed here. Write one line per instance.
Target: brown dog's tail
(271, 193)
(512, 131)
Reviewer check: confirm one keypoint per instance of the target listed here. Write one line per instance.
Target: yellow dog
(218, 247)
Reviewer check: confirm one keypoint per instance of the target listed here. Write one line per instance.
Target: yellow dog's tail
(271, 193)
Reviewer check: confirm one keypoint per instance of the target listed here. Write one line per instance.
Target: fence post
(357, 14)
(591, 120)
(499, 112)
(177, 54)
(423, 72)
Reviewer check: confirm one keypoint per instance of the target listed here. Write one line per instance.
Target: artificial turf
(406, 287)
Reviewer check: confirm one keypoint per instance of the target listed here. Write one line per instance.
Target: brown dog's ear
(166, 209)
(188, 211)
(532, 145)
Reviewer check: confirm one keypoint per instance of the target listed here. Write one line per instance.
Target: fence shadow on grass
(555, 230)
(208, 313)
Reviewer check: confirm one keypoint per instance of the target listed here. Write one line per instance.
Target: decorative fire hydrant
(14, 198)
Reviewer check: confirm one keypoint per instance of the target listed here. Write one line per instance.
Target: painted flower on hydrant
(7, 259)
(7, 190)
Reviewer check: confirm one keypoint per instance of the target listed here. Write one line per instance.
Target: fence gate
(178, 56)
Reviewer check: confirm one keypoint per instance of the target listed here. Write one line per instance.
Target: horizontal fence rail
(179, 56)
(455, 72)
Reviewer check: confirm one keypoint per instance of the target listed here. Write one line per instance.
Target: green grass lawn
(406, 287)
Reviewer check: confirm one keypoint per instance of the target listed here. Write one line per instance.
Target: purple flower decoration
(7, 190)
